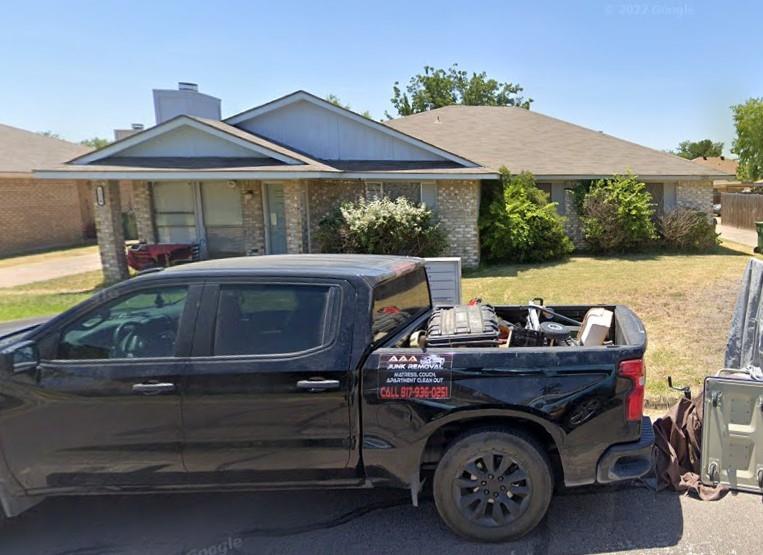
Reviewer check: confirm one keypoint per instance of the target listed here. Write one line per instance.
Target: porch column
(295, 207)
(108, 226)
(252, 217)
(143, 208)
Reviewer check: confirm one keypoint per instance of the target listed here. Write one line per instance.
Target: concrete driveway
(375, 521)
(738, 235)
(21, 274)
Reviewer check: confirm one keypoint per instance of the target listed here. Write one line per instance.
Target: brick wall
(37, 214)
(295, 208)
(252, 217)
(142, 206)
(111, 241)
(573, 226)
(458, 205)
(695, 195)
(323, 197)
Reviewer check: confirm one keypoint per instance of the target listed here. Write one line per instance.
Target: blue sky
(654, 72)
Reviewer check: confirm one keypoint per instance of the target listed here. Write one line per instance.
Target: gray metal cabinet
(732, 433)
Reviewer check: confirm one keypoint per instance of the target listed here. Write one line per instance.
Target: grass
(47, 297)
(685, 302)
(50, 254)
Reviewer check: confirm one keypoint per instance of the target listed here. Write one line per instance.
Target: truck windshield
(399, 300)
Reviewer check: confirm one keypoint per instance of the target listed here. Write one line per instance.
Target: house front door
(275, 216)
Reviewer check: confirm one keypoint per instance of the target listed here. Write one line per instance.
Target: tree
(95, 142)
(50, 134)
(694, 149)
(748, 145)
(440, 87)
(334, 99)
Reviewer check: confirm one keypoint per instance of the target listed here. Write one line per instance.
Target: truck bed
(572, 393)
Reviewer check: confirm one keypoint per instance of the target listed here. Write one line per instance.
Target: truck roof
(371, 268)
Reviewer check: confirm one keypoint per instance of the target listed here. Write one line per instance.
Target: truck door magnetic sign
(415, 376)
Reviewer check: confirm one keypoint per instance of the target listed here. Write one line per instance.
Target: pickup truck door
(102, 407)
(268, 390)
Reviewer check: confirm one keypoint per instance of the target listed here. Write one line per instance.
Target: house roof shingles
(720, 163)
(22, 151)
(520, 139)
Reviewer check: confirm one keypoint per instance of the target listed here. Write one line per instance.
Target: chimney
(120, 134)
(170, 103)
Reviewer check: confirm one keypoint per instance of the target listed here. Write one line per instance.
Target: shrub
(381, 226)
(688, 230)
(618, 215)
(521, 225)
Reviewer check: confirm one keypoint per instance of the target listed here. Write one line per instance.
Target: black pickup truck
(299, 371)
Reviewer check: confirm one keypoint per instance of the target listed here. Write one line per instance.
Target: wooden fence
(741, 209)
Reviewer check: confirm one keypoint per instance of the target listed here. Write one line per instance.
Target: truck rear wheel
(493, 485)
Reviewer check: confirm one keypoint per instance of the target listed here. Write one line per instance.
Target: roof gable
(192, 137)
(329, 132)
(524, 140)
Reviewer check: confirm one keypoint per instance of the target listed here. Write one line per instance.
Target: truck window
(397, 301)
(267, 319)
(139, 325)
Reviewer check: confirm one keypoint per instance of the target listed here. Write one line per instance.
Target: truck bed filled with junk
(505, 327)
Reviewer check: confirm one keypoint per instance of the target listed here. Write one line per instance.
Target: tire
(497, 504)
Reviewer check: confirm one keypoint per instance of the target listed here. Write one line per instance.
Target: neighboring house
(260, 181)
(729, 166)
(35, 213)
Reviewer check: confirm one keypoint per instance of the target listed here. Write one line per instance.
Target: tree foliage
(694, 149)
(441, 87)
(521, 225)
(335, 100)
(748, 145)
(95, 142)
(618, 215)
(50, 134)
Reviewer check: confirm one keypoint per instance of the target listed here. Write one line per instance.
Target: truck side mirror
(20, 357)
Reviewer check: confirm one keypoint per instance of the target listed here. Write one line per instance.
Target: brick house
(260, 181)
(35, 213)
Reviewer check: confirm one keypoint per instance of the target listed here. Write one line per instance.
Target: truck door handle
(152, 388)
(318, 384)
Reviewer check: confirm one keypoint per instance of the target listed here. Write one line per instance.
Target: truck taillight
(634, 403)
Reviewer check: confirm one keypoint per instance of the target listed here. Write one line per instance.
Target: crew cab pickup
(300, 371)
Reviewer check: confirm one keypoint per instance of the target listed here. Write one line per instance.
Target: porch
(250, 217)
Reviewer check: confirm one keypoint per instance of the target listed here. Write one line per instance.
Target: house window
(546, 188)
(656, 190)
(412, 190)
(175, 212)
(374, 190)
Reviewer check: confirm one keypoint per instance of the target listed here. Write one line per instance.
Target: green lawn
(47, 297)
(685, 302)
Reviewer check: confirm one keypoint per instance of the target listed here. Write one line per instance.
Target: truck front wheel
(493, 485)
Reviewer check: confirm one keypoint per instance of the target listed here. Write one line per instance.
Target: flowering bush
(381, 226)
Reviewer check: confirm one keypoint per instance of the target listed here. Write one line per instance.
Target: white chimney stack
(187, 100)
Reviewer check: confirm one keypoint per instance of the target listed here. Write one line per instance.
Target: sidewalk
(11, 276)
(742, 236)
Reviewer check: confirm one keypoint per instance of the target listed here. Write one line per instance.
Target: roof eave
(641, 176)
(179, 175)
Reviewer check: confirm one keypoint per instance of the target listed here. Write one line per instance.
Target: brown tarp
(677, 450)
